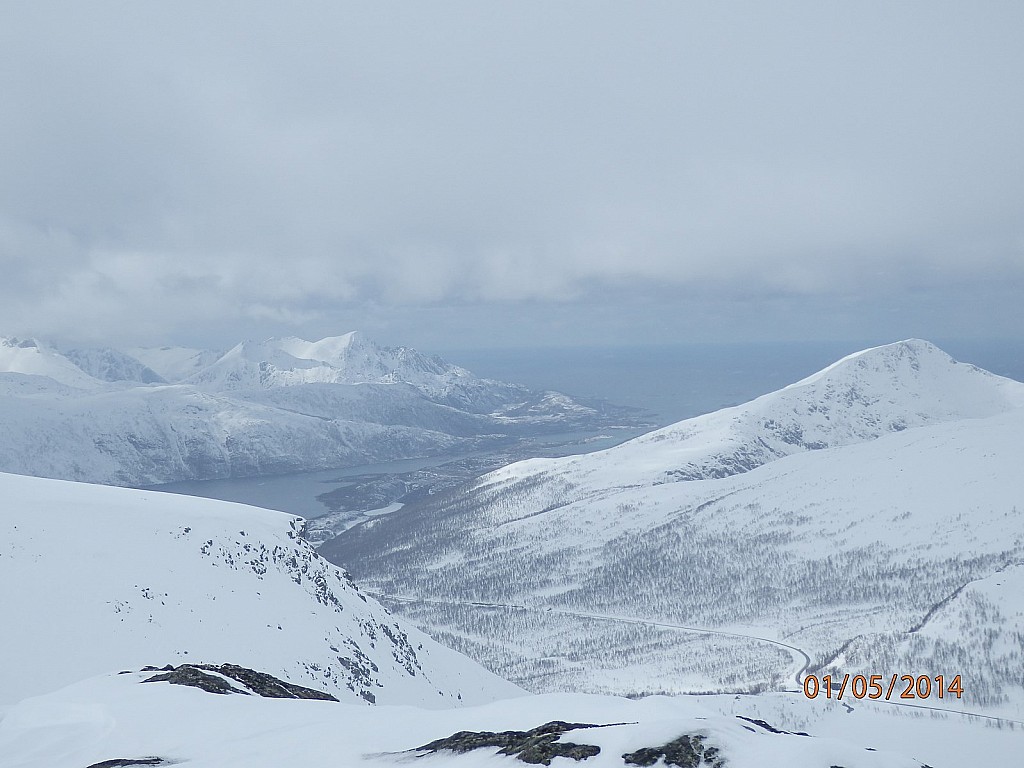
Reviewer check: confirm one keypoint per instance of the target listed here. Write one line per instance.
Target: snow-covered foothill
(97, 579)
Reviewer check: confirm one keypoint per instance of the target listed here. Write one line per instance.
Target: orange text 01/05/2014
(882, 687)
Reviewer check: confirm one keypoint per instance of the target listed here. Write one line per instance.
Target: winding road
(798, 654)
(800, 657)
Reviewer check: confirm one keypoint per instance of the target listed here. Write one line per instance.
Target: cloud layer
(181, 168)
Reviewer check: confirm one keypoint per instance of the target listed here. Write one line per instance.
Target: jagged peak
(329, 349)
(33, 357)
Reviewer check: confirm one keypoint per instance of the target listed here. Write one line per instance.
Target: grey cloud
(181, 164)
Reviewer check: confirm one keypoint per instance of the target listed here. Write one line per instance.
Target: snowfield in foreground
(118, 717)
(95, 579)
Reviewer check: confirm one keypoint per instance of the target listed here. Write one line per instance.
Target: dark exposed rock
(124, 762)
(685, 752)
(269, 686)
(187, 674)
(260, 683)
(771, 728)
(537, 746)
(767, 726)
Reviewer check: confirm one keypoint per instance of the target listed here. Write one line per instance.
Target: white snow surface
(34, 358)
(96, 579)
(115, 717)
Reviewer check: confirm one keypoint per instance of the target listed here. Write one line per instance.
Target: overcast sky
(449, 174)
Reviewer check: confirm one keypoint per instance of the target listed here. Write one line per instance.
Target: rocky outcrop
(540, 745)
(537, 746)
(685, 752)
(214, 679)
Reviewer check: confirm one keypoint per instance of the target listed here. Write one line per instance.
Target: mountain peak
(330, 349)
(883, 357)
(33, 358)
(912, 374)
(862, 397)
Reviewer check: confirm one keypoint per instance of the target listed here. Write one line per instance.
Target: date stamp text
(878, 687)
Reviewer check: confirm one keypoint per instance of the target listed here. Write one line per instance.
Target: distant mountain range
(281, 405)
(868, 519)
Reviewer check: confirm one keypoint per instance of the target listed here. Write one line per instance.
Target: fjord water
(669, 382)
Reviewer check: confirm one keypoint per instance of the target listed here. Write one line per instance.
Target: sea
(668, 382)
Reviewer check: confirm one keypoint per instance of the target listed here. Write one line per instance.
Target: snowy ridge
(620, 569)
(346, 359)
(862, 397)
(103, 579)
(33, 358)
(351, 359)
(282, 405)
(149, 435)
(118, 717)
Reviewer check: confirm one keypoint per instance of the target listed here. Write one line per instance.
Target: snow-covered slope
(120, 718)
(149, 435)
(34, 358)
(96, 579)
(110, 365)
(175, 364)
(728, 552)
(283, 405)
(863, 396)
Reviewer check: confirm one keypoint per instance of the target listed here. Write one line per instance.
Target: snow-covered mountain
(353, 359)
(175, 364)
(283, 405)
(29, 357)
(345, 359)
(847, 523)
(97, 579)
(108, 364)
(862, 397)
